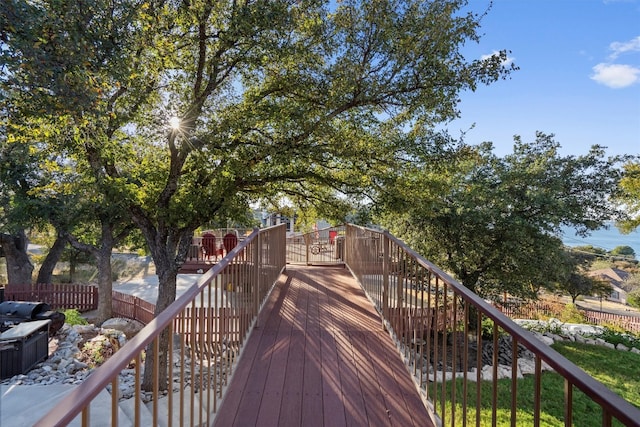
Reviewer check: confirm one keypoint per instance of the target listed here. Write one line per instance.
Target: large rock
(544, 338)
(128, 327)
(580, 329)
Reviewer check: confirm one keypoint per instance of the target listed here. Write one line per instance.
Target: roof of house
(615, 276)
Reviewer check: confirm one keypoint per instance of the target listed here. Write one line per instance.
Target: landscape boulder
(129, 327)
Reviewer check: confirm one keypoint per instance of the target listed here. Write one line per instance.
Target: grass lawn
(618, 370)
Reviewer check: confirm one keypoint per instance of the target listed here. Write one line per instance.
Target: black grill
(15, 312)
(25, 328)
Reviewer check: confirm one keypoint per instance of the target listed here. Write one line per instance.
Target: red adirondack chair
(229, 241)
(209, 247)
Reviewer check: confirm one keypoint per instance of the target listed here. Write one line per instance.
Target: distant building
(618, 280)
(271, 219)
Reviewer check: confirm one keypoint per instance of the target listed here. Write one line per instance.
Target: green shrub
(487, 328)
(73, 317)
(624, 251)
(633, 298)
(571, 314)
(615, 336)
(613, 327)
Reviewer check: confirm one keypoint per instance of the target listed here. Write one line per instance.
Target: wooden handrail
(363, 264)
(78, 399)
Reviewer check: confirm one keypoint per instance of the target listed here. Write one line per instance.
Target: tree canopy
(629, 196)
(624, 250)
(270, 97)
(183, 112)
(493, 222)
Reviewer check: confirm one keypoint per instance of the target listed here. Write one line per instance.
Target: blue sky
(579, 75)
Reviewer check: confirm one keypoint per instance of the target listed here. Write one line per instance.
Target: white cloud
(618, 48)
(506, 62)
(616, 76)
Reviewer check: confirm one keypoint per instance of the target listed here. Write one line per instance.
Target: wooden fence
(132, 307)
(531, 310)
(57, 296)
(538, 309)
(628, 323)
(82, 298)
(416, 322)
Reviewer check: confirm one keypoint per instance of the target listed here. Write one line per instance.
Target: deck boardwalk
(319, 357)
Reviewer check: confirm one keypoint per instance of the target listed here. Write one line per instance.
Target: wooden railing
(324, 246)
(438, 325)
(192, 346)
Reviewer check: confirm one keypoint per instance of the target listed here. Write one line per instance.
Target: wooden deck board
(373, 398)
(319, 357)
(352, 394)
(333, 408)
(312, 414)
(291, 405)
(254, 389)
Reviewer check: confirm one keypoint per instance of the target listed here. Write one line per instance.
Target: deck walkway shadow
(320, 357)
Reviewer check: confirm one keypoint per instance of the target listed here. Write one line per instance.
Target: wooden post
(257, 259)
(307, 243)
(385, 278)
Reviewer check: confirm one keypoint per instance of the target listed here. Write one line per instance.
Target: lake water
(606, 239)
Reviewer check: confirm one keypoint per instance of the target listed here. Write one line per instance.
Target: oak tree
(187, 111)
(494, 222)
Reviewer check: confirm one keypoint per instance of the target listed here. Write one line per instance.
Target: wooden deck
(320, 357)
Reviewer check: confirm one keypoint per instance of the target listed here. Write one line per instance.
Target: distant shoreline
(606, 239)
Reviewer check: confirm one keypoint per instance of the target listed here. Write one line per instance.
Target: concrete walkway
(146, 288)
(25, 405)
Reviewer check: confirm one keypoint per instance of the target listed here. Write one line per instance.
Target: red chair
(209, 246)
(229, 241)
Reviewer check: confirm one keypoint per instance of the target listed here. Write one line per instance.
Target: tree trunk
(19, 266)
(105, 284)
(102, 256)
(167, 275)
(49, 264)
(73, 261)
(169, 250)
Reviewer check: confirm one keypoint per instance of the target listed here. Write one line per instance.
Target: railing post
(345, 251)
(385, 277)
(257, 258)
(307, 244)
